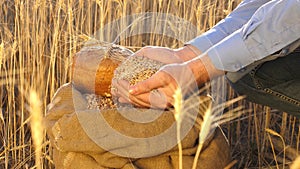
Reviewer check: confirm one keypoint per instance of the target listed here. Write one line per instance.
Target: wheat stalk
(36, 126)
(178, 105)
(213, 117)
(206, 127)
(296, 163)
(269, 131)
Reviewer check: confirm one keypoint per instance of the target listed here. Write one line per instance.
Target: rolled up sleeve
(273, 26)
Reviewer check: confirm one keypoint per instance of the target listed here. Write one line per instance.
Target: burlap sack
(74, 149)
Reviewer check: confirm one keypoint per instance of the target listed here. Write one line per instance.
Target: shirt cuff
(207, 39)
(231, 54)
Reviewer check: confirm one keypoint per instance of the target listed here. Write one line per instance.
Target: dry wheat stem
(283, 142)
(178, 114)
(36, 126)
(204, 132)
(296, 163)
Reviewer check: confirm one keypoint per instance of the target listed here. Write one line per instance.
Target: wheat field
(38, 39)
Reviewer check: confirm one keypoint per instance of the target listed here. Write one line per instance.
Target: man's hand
(158, 90)
(167, 55)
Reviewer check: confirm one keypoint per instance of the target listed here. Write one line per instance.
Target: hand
(158, 90)
(185, 75)
(161, 54)
(167, 55)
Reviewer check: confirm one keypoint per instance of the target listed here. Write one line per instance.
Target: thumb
(158, 80)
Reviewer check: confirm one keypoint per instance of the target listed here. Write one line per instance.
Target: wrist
(203, 69)
(187, 52)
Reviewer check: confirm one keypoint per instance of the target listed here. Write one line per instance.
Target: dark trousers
(275, 83)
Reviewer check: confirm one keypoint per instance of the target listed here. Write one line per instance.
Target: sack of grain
(76, 140)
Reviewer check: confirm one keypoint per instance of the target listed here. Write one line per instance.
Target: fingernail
(132, 90)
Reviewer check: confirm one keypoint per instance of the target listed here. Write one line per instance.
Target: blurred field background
(38, 39)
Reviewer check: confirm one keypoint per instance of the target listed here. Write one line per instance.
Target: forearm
(187, 52)
(203, 69)
(199, 63)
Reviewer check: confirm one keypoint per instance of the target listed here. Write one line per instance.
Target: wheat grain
(133, 69)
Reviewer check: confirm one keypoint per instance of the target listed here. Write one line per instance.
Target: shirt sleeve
(273, 26)
(235, 20)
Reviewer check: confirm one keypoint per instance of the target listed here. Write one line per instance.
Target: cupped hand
(157, 91)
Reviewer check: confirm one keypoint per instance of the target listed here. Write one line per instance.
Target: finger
(136, 101)
(113, 92)
(113, 88)
(158, 80)
(156, 53)
(140, 52)
(154, 99)
(124, 96)
(122, 88)
(140, 100)
(121, 91)
(158, 99)
(123, 100)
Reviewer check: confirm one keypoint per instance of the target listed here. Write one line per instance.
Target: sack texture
(74, 149)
